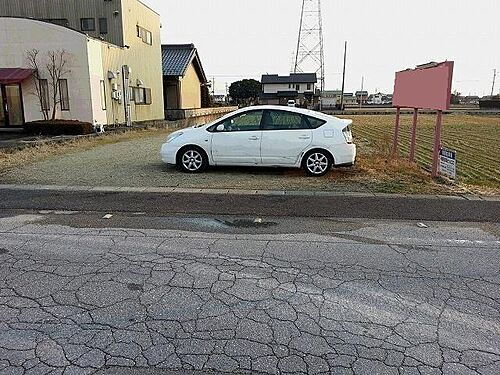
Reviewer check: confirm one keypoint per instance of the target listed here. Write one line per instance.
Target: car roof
(302, 111)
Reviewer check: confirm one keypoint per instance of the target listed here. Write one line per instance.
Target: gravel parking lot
(137, 163)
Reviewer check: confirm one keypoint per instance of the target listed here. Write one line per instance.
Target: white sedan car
(269, 136)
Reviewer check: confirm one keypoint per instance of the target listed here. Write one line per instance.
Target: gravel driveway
(137, 163)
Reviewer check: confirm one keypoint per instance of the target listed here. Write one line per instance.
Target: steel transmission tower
(309, 56)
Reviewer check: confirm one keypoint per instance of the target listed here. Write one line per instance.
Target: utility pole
(343, 78)
(213, 87)
(362, 87)
(493, 85)
(227, 93)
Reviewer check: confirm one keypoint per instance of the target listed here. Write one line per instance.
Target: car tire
(317, 163)
(192, 159)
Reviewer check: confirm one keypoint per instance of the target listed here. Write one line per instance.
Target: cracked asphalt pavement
(135, 294)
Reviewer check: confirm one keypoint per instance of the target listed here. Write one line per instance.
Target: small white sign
(448, 163)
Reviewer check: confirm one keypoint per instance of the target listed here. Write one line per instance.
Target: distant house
(219, 98)
(379, 99)
(278, 90)
(490, 102)
(183, 76)
(361, 97)
(470, 100)
(350, 99)
(331, 98)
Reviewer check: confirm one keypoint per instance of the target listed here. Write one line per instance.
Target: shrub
(58, 127)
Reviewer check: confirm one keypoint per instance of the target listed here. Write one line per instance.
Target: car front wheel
(192, 160)
(317, 163)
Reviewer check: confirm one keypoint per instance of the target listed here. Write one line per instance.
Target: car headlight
(173, 136)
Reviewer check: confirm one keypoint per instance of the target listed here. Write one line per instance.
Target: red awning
(14, 75)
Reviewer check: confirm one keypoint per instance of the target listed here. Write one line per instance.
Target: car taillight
(347, 134)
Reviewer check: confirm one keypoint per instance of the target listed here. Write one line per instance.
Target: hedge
(58, 127)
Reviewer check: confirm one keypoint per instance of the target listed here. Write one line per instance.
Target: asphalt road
(140, 294)
(396, 208)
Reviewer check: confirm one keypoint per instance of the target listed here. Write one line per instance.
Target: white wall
(17, 36)
(96, 72)
(274, 88)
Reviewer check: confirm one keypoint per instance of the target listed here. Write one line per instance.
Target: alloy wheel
(192, 160)
(317, 163)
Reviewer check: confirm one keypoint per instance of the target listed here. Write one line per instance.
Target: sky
(239, 39)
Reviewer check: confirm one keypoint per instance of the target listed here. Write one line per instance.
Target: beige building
(106, 83)
(183, 77)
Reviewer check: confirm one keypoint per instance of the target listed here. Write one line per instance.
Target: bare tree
(32, 57)
(56, 67)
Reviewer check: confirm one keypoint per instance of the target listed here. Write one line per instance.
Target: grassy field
(475, 138)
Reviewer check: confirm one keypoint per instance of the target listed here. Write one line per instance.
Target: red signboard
(426, 87)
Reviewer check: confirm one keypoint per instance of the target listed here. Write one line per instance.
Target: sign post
(437, 144)
(396, 133)
(426, 87)
(413, 144)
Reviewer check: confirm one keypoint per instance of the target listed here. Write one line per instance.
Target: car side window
(315, 123)
(248, 121)
(283, 120)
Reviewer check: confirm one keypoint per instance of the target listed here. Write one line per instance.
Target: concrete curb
(177, 190)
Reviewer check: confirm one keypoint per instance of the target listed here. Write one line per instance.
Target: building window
(44, 95)
(308, 87)
(103, 26)
(64, 94)
(142, 96)
(58, 21)
(87, 24)
(145, 35)
(103, 95)
(297, 87)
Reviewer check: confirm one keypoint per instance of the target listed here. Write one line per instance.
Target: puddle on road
(245, 223)
(225, 224)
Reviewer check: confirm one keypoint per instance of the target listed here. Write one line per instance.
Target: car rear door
(239, 142)
(285, 136)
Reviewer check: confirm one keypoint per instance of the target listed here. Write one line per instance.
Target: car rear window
(315, 122)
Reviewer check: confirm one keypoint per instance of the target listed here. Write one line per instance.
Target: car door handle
(254, 138)
(304, 137)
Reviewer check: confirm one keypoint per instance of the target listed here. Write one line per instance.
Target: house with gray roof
(300, 87)
(183, 77)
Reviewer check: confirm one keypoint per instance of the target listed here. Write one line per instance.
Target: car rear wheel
(192, 160)
(317, 163)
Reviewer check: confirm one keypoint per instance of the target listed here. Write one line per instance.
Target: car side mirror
(220, 128)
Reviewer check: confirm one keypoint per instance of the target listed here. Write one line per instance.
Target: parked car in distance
(270, 136)
(291, 103)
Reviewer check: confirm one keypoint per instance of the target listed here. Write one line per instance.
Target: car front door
(285, 135)
(238, 142)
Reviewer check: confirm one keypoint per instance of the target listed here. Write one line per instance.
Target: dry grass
(17, 158)
(475, 138)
